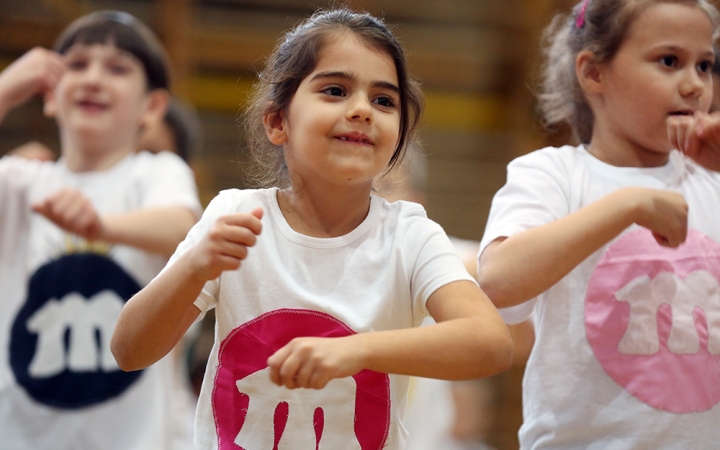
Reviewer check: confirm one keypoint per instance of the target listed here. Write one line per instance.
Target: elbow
(493, 353)
(493, 287)
(500, 356)
(123, 355)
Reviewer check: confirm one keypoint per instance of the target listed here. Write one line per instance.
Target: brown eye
(669, 61)
(334, 91)
(385, 101)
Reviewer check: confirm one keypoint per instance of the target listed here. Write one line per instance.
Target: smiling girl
(326, 297)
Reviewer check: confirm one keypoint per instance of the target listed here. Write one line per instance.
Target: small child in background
(615, 243)
(317, 315)
(80, 236)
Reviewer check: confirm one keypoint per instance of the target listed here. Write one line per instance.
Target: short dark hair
(127, 33)
(295, 57)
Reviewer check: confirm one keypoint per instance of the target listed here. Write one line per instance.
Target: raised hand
(311, 362)
(72, 211)
(226, 244)
(698, 137)
(36, 72)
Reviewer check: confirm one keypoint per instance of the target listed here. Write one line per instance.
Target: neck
(623, 152)
(91, 155)
(324, 213)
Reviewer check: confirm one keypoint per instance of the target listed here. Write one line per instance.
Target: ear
(589, 73)
(49, 106)
(156, 107)
(275, 127)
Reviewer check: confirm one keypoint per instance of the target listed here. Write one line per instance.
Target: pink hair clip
(580, 21)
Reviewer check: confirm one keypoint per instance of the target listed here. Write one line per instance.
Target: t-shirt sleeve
(536, 193)
(436, 262)
(170, 182)
(209, 294)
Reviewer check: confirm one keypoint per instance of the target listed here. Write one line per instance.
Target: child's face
(103, 94)
(343, 122)
(663, 68)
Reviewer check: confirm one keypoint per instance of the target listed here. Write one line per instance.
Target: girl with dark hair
(315, 312)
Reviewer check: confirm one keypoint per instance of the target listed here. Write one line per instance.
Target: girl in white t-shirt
(326, 297)
(615, 243)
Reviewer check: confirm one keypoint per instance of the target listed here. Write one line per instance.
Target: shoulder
(407, 220)
(399, 211)
(161, 161)
(230, 201)
(549, 158)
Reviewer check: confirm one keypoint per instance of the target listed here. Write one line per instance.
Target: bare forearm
(155, 319)
(157, 230)
(457, 349)
(529, 263)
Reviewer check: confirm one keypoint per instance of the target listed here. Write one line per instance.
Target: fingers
(36, 72)
(226, 245)
(301, 364)
(70, 210)
(681, 131)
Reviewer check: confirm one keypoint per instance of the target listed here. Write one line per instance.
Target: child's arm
(156, 230)
(36, 72)
(514, 270)
(469, 341)
(698, 137)
(155, 319)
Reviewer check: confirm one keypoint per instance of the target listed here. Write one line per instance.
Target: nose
(692, 84)
(92, 74)
(359, 108)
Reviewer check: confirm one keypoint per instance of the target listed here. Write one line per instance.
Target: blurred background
(476, 60)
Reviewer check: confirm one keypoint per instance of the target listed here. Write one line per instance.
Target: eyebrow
(676, 49)
(352, 77)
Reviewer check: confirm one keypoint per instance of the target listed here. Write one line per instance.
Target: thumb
(257, 212)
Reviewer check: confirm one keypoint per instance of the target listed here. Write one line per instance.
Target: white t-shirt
(60, 297)
(623, 358)
(377, 277)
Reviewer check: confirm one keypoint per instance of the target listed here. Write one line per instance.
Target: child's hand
(665, 213)
(226, 244)
(698, 137)
(72, 211)
(36, 72)
(311, 362)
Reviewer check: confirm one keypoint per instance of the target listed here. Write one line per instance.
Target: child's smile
(102, 94)
(342, 125)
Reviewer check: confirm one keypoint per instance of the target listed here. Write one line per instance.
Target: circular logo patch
(251, 412)
(60, 339)
(652, 317)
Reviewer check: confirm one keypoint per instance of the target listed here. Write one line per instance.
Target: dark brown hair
(294, 58)
(125, 32)
(606, 22)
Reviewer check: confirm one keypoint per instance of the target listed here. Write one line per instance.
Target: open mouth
(91, 106)
(682, 113)
(356, 139)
